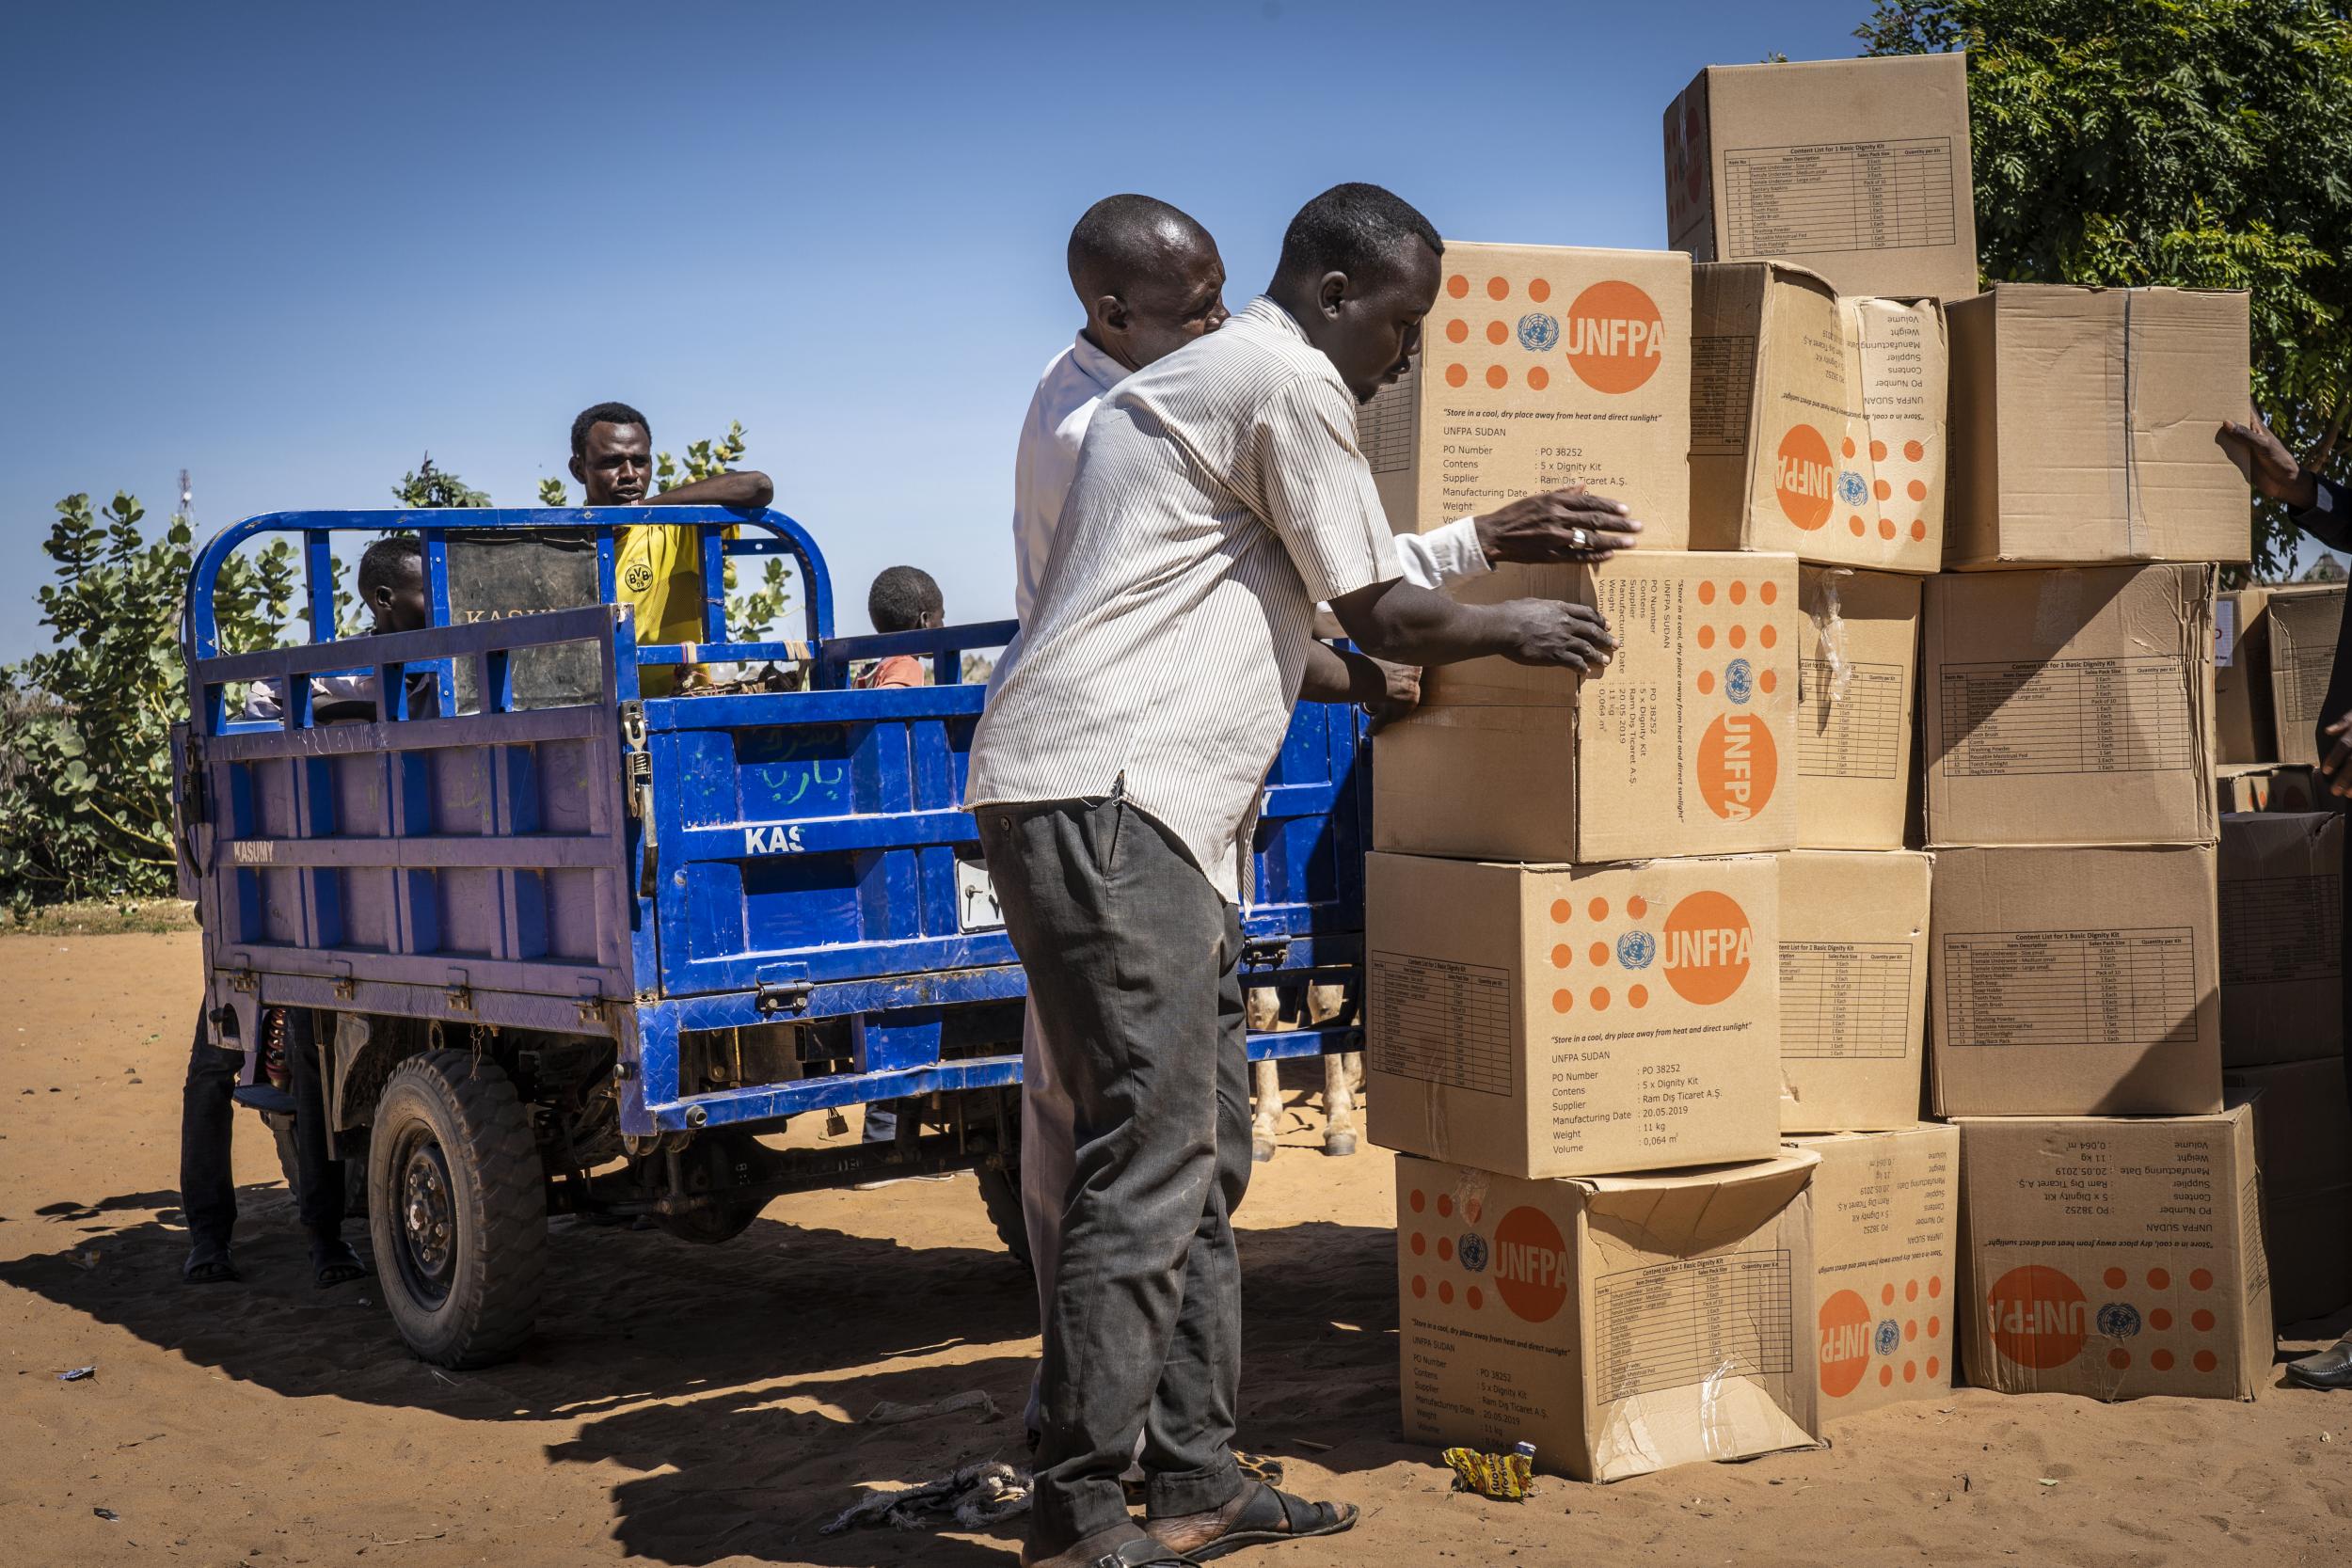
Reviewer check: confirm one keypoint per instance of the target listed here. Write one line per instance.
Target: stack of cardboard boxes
(1627, 931)
(2283, 1043)
(2274, 649)
(2112, 1241)
(1572, 915)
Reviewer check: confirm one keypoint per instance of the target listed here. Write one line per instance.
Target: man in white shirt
(1150, 280)
(1221, 495)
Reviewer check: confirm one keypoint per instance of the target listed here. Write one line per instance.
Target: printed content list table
(1674, 1324)
(1848, 1000)
(1838, 196)
(2071, 988)
(1384, 426)
(2065, 716)
(1441, 1022)
(1861, 734)
(2276, 929)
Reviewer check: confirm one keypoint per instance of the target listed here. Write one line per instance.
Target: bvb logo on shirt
(638, 578)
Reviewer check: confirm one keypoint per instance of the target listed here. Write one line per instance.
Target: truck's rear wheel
(457, 1208)
(1000, 1194)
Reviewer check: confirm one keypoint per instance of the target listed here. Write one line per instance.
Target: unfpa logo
(1804, 478)
(1531, 1265)
(1845, 1343)
(1707, 942)
(2039, 1318)
(1738, 766)
(1614, 337)
(1538, 333)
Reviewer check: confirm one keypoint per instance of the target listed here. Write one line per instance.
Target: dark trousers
(208, 1190)
(1133, 967)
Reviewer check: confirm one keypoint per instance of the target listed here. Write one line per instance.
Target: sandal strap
(1143, 1552)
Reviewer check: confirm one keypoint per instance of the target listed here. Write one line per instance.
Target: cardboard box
(2242, 787)
(2298, 651)
(2281, 914)
(1621, 1324)
(1858, 652)
(1543, 367)
(1558, 1021)
(2114, 1257)
(1886, 1256)
(1853, 987)
(2074, 982)
(1857, 169)
(1682, 746)
(1816, 421)
(2303, 1139)
(2069, 707)
(2082, 426)
(2241, 722)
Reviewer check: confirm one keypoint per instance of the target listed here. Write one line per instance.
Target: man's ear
(579, 469)
(1112, 313)
(1331, 292)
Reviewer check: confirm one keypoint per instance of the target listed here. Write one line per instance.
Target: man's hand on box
(1399, 697)
(2266, 464)
(1548, 631)
(1559, 525)
(2334, 765)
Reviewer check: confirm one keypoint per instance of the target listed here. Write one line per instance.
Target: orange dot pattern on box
(1611, 337)
(1878, 490)
(1894, 1332)
(2146, 1318)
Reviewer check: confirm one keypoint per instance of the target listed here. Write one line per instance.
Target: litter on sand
(891, 1412)
(1504, 1477)
(108, 1514)
(974, 1497)
(79, 1373)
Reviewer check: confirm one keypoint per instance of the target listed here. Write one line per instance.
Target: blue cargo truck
(575, 949)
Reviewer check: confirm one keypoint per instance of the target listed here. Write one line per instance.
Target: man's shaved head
(1122, 238)
(1148, 276)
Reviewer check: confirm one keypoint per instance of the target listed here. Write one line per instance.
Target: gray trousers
(1133, 962)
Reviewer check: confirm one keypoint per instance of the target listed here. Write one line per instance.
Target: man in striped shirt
(1220, 495)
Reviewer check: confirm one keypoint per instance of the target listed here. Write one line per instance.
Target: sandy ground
(690, 1405)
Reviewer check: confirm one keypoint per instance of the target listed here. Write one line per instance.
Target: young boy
(903, 598)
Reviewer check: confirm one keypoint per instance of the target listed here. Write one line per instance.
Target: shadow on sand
(733, 1382)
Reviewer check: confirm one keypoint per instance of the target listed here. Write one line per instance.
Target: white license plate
(975, 899)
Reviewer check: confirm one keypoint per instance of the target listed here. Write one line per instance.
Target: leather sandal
(1271, 1515)
(1112, 1549)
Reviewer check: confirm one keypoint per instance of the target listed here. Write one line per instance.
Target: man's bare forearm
(749, 490)
(1333, 676)
(1404, 625)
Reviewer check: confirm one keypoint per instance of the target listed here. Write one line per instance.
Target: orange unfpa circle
(1736, 765)
(1707, 941)
(1804, 479)
(1530, 1264)
(1844, 1322)
(2040, 1317)
(1614, 337)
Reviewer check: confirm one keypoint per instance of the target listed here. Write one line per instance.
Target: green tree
(428, 487)
(752, 612)
(2206, 143)
(85, 727)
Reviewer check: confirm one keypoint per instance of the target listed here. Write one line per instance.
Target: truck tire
(1000, 1192)
(458, 1208)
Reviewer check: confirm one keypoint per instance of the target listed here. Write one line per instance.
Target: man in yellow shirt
(657, 569)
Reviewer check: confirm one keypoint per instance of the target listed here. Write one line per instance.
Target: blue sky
(291, 247)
